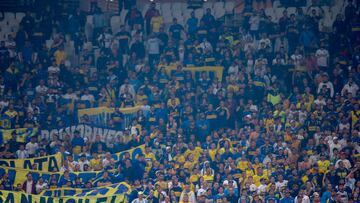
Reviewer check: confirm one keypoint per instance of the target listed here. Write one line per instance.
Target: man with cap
(140, 198)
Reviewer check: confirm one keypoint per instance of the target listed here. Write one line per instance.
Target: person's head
(29, 177)
(208, 11)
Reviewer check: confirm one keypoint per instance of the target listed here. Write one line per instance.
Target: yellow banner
(20, 197)
(22, 134)
(218, 70)
(18, 175)
(100, 116)
(100, 110)
(45, 163)
(115, 189)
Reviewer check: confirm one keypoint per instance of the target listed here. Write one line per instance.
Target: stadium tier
(242, 101)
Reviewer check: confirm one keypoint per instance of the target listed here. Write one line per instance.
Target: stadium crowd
(281, 125)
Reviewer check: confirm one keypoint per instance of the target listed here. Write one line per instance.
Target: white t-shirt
(153, 46)
(254, 23)
(82, 163)
(305, 199)
(297, 59)
(353, 88)
(31, 148)
(29, 187)
(22, 154)
(280, 185)
(87, 97)
(322, 56)
(41, 187)
(53, 69)
(41, 89)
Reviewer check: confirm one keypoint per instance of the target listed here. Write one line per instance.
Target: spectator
(29, 185)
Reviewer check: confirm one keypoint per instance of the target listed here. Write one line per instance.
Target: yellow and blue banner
(21, 197)
(115, 189)
(217, 71)
(45, 163)
(100, 116)
(22, 134)
(88, 131)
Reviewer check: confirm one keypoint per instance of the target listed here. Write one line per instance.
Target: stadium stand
(151, 101)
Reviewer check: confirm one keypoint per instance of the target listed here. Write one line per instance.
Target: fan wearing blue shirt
(175, 30)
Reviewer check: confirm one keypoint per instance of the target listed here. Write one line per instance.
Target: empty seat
(19, 16)
(187, 13)
(9, 15)
(229, 6)
(276, 4)
(89, 19)
(177, 12)
(144, 8)
(207, 5)
(218, 5)
(165, 7)
(176, 7)
(270, 12)
(291, 10)
(115, 23)
(219, 12)
(199, 13)
(279, 12)
(167, 16)
(122, 17)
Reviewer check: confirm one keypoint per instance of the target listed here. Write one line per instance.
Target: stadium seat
(218, 5)
(270, 12)
(165, 7)
(199, 13)
(184, 6)
(122, 17)
(179, 18)
(115, 23)
(177, 7)
(276, 4)
(89, 19)
(19, 16)
(207, 5)
(144, 8)
(229, 6)
(219, 9)
(279, 12)
(219, 12)
(291, 10)
(9, 15)
(187, 13)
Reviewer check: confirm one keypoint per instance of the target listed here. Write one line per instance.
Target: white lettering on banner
(85, 131)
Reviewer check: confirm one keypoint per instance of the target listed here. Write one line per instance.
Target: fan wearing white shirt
(262, 187)
(350, 87)
(40, 185)
(54, 68)
(88, 97)
(41, 88)
(281, 183)
(302, 197)
(31, 147)
(297, 58)
(327, 84)
(22, 153)
(322, 58)
(70, 95)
